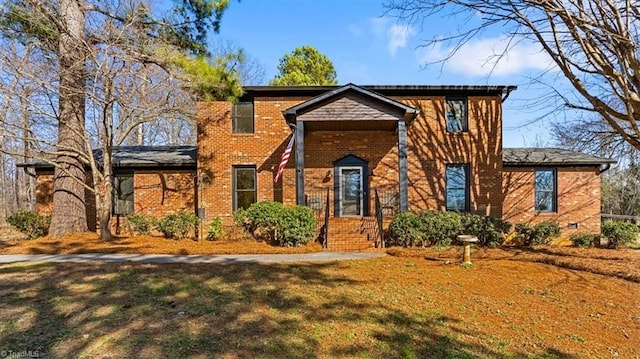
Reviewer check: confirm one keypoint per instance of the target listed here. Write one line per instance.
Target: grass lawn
(510, 303)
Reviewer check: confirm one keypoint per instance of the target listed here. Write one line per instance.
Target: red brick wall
(156, 194)
(578, 198)
(160, 193)
(219, 149)
(430, 149)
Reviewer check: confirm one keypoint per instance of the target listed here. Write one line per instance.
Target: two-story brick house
(359, 152)
(416, 147)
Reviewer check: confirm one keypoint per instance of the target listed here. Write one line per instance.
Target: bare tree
(594, 45)
(73, 33)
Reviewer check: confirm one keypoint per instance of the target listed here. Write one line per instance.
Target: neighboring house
(379, 150)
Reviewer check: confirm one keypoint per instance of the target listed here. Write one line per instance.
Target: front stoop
(348, 234)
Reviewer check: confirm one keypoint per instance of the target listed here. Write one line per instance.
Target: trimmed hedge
(406, 230)
(583, 240)
(139, 224)
(272, 221)
(541, 233)
(178, 226)
(30, 223)
(441, 228)
(489, 230)
(619, 233)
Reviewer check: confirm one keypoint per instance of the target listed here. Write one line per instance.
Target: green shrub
(406, 230)
(296, 226)
(426, 228)
(139, 224)
(619, 233)
(489, 230)
(440, 228)
(216, 230)
(272, 221)
(178, 226)
(261, 219)
(541, 233)
(583, 240)
(30, 223)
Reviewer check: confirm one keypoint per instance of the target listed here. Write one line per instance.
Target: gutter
(603, 168)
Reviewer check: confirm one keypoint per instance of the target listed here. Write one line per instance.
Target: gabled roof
(550, 157)
(141, 157)
(291, 113)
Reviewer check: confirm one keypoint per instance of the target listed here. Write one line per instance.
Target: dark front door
(351, 194)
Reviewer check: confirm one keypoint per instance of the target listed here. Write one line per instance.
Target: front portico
(347, 141)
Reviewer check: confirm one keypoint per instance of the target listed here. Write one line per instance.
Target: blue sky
(368, 48)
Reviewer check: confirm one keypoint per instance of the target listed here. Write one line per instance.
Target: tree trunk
(104, 204)
(69, 208)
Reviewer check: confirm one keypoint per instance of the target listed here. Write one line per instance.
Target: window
(545, 190)
(457, 115)
(244, 187)
(457, 191)
(123, 194)
(243, 117)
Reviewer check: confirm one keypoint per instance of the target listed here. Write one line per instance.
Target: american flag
(284, 159)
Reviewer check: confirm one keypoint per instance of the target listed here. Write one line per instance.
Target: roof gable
(356, 100)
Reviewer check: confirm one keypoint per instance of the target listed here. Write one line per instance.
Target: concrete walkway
(169, 258)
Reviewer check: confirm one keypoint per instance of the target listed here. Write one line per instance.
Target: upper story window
(545, 190)
(457, 119)
(457, 187)
(123, 194)
(243, 117)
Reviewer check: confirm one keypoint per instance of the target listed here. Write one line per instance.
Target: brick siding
(578, 198)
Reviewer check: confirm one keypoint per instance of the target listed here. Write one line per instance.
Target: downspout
(508, 90)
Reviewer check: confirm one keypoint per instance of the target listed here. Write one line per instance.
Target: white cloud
(394, 35)
(355, 30)
(484, 57)
(398, 35)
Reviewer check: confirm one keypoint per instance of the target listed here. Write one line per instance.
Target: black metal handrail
(319, 202)
(379, 243)
(325, 233)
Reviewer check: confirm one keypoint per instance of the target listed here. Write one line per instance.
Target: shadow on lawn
(243, 310)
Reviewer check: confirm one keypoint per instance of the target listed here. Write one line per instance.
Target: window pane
(243, 117)
(245, 199)
(545, 190)
(456, 177)
(245, 178)
(456, 200)
(123, 194)
(544, 201)
(544, 180)
(244, 193)
(456, 115)
(456, 191)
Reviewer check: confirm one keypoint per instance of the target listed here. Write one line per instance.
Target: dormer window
(243, 117)
(457, 114)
